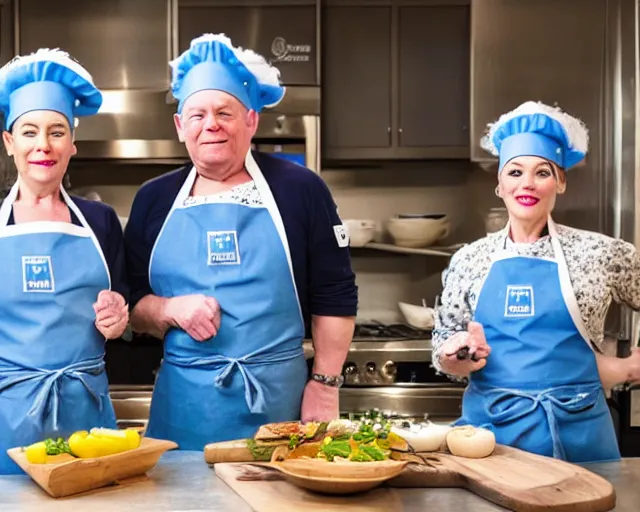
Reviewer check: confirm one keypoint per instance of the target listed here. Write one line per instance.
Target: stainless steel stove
(389, 368)
(393, 332)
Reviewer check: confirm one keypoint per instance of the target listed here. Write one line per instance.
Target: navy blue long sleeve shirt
(322, 269)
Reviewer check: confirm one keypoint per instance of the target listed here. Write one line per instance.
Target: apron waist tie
(10, 375)
(570, 398)
(253, 390)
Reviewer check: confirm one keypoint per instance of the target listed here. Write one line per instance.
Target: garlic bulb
(471, 442)
(429, 437)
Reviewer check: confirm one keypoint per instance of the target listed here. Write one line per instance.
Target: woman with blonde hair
(523, 309)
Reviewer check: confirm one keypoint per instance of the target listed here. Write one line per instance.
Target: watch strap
(334, 381)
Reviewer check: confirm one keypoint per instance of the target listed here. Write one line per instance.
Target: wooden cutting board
(282, 496)
(516, 480)
(511, 478)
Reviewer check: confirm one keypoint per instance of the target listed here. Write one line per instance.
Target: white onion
(471, 442)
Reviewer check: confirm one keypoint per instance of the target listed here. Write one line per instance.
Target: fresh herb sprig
(57, 447)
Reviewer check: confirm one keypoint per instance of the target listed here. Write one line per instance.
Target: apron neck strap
(565, 279)
(7, 204)
(5, 209)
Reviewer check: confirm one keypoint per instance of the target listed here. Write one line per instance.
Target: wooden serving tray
(80, 475)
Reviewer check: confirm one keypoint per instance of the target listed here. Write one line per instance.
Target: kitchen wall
(7, 172)
(461, 190)
(458, 188)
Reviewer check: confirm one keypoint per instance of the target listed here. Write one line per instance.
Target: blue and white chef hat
(47, 80)
(213, 63)
(536, 129)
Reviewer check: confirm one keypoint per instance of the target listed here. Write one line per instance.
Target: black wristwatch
(328, 380)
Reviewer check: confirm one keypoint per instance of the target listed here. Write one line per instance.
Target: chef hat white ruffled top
(47, 80)
(212, 62)
(536, 129)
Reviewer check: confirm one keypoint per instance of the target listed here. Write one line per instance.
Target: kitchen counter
(183, 482)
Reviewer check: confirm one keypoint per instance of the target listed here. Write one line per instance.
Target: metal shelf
(446, 251)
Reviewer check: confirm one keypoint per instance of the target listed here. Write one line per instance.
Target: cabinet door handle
(389, 129)
(399, 130)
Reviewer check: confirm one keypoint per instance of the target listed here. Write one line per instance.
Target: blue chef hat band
(216, 76)
(211, 63)
(40, 96)
(531, 144)
(47, 80)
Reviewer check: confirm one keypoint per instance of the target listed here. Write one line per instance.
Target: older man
(230, 257)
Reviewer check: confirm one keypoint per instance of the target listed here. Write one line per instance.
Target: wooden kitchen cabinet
(6, 33)
(395, 80)
(356, 80)
(433, 77)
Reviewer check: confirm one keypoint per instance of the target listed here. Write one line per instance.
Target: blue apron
(540, 390)
(52, 376)
(253, 371)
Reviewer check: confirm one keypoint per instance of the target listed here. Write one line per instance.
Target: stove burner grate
(388, 332)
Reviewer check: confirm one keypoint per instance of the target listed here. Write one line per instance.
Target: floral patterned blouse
(601, 269)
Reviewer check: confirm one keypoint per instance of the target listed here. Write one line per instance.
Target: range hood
(138, 125)
(126, 46)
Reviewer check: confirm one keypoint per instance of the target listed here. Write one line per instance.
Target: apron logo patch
(222, 248)
(519, 301)
(37, 274)
(342, 235)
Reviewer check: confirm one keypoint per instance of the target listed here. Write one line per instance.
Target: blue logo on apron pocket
(223, 248)
(519, 301)
(37, 274)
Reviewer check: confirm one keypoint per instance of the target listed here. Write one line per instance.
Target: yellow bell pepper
(36, 453)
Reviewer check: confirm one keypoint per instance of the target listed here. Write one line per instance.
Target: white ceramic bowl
(417, 316)
(417, 232)
(360, 231)
(429, 437)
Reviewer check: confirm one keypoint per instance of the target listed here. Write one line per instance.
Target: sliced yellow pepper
(132, 436)
(81, 447)
(103, 441)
